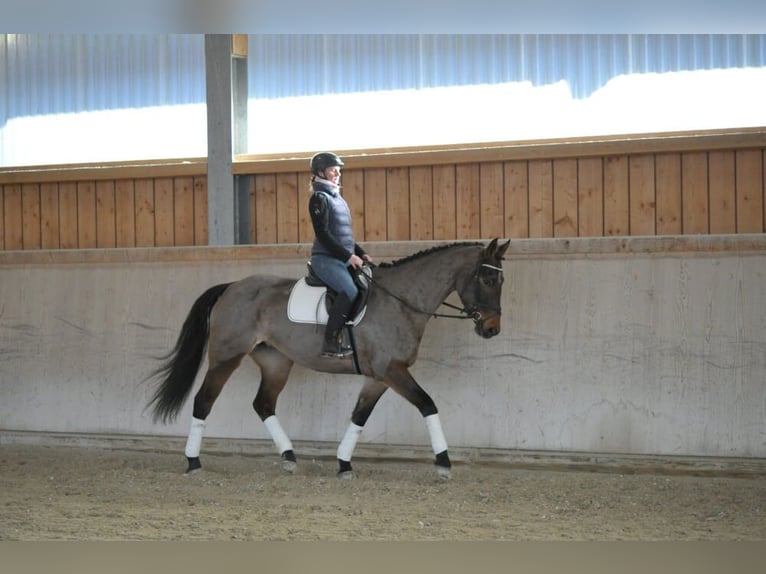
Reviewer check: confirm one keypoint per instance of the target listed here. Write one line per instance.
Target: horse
(249, 318)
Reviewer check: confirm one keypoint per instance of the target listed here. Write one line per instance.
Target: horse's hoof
(289, 462)
(194, 466)
(443, 472)
(346, 475)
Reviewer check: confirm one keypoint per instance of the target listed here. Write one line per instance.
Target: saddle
(310, 299)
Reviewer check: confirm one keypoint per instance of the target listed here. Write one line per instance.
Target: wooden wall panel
(693, 190)
(375, 207)
(164, 215)
(266, 209)
(305, 227)
(590, 197)
(353, 192)
(749, 191)
(694, 193)
(49, 216)
(2, 217)
(30, 214)
(565, 222)
(288, 206)
(616, 196)
(467, 201)
(723, 200)
(86, 215)
(106, 224)
(125, 213)
(668, 193)
(14, 231)
(516, 183)
(398, 203)
(541, 198)
(254, 208)
(421, 203)
(444, 201)
(68, 231)
(200, 211)
(491, 200)
(183, 211)
(144, 194)
(642, 199)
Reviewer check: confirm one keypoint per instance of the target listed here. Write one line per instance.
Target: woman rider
(334, 250)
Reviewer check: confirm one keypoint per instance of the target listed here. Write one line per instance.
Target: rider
(334, 250)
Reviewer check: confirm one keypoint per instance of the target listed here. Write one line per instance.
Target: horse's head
(480, 292)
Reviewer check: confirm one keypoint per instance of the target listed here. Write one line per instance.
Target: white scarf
(333, 187)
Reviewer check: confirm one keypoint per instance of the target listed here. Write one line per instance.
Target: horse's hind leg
(275, 368)
(368, 398)
(215, 379)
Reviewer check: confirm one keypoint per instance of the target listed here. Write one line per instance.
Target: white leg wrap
(278, 435)
(347, 445)
(194, 442)
(434, 426)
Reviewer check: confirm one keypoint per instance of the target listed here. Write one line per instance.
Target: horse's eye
(488, 281)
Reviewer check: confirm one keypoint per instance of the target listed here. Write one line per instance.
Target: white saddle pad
(307, 305)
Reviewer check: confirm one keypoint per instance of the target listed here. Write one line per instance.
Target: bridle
(472, 312)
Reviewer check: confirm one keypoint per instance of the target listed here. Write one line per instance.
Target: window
(356, 92)
(77, 98)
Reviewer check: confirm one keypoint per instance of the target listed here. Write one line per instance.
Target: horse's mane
(425, 252)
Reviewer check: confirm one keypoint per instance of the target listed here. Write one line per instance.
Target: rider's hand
(355, 261)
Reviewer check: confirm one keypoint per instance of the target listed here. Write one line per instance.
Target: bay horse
(249, 317)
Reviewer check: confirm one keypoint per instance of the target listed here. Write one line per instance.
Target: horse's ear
(502, 249)
(494, 252)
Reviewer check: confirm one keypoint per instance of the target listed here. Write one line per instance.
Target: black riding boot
(333, 346)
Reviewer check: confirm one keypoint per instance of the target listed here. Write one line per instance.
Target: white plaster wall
(661, 353)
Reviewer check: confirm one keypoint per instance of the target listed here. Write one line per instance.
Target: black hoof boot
(194, 465)
(288, 461)
(345, 471)
(443, 466)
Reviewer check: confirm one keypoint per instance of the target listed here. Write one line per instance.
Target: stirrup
(337, 350)
(341, 353)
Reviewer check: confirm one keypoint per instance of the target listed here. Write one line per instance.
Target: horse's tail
(179, 368)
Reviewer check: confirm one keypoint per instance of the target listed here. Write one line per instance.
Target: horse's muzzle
(486, 327)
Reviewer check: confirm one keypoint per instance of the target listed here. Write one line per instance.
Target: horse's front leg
(365, 403)
(398, 377)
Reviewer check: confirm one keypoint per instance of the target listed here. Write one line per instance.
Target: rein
(432, 314)
(467, 314)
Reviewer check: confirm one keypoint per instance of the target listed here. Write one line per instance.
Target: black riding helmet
(324, 159)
